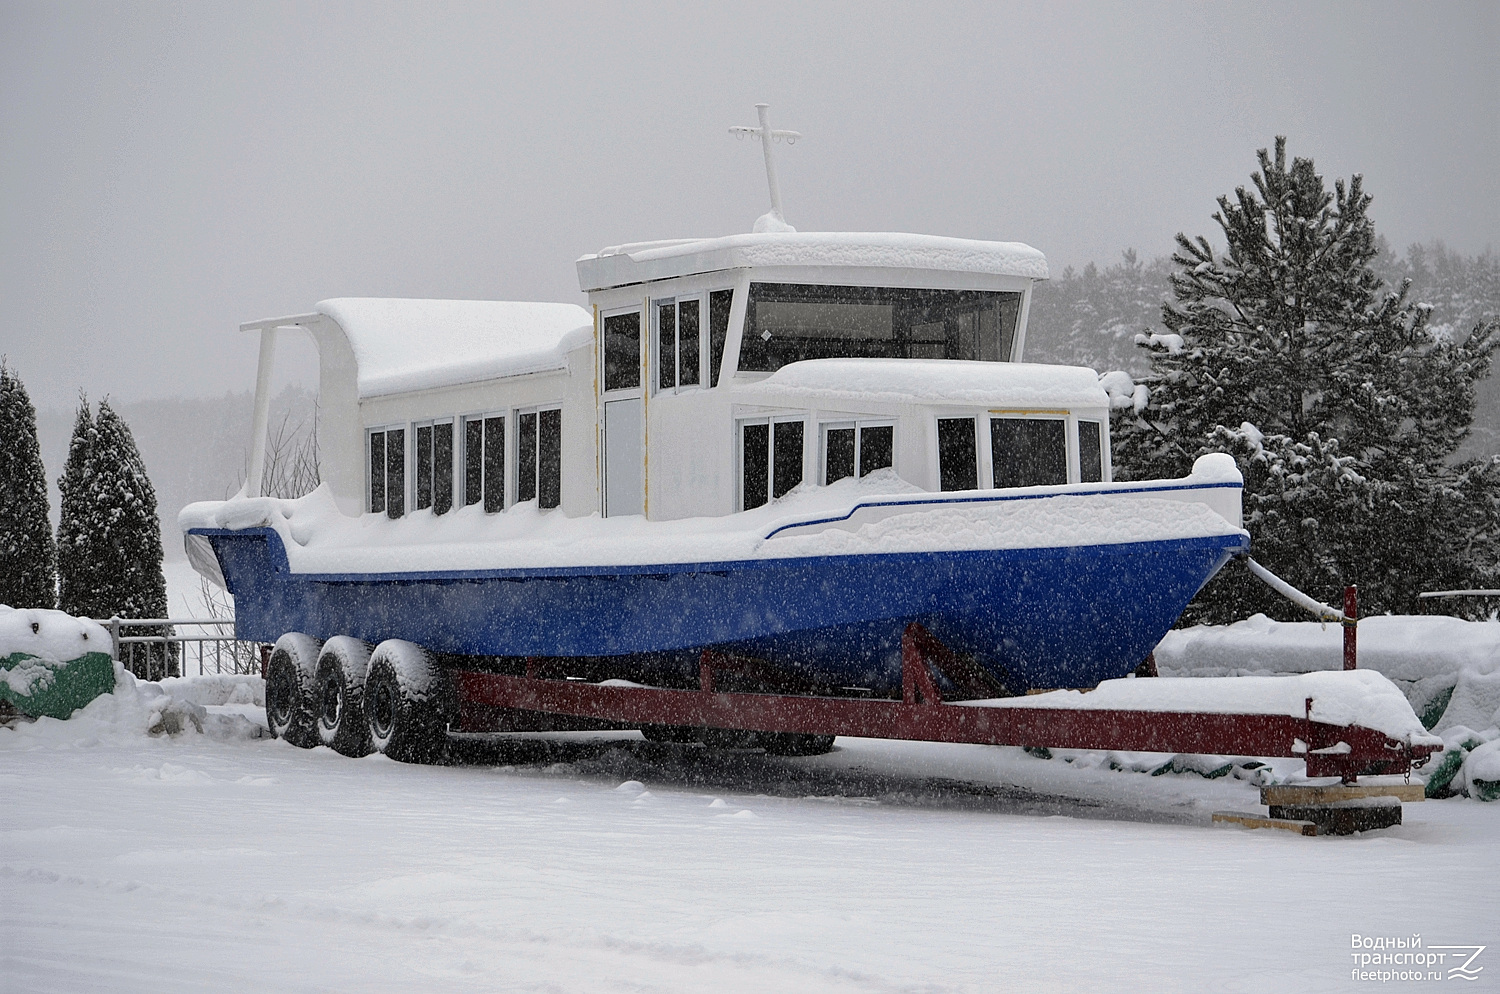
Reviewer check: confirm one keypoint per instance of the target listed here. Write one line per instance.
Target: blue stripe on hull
(1034, 617)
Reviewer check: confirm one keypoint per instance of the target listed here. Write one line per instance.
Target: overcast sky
(169, 171)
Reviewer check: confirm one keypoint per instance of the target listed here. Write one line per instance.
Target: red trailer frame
(1330, 750)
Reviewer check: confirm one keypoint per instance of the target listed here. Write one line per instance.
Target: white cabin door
(624, 457)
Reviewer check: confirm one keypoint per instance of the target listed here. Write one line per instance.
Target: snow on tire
(340, 688)
(290, 676)
(408, 701)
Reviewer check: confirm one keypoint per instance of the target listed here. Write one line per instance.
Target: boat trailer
(1343, 751)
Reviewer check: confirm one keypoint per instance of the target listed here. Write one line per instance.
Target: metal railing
(153, 648)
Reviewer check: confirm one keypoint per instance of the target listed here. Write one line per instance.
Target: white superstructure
(707, 377)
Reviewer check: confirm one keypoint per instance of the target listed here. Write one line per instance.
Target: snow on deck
(403, 345)
(1012, 385)
(319, 539)
(1355, 697)
(619, 265)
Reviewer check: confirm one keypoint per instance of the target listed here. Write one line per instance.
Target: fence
(212, 641)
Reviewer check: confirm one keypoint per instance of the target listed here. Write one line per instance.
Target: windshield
(789, 322)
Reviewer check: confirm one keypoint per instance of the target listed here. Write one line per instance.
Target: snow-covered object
(52, 663)
(637, 262)
(212, 690)
(771, 221)
(1429, 654)
(1356, 697)
(1172, 343)
(936, 381)
(1481, 772)
(809, 521)
(401, 345)
(137, 708)
(1124, 392)
(48, 635)
(1401, 647)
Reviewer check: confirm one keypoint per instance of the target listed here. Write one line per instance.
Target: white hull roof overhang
(643, 262)
(401, 345)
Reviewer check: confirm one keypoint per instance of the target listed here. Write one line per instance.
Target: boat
(786, 447)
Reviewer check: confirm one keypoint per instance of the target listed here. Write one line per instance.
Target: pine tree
(28, 555)
(78, 593)
(1341, 405)
(110, 538)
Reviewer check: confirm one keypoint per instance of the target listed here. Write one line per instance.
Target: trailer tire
(794, 743)
(339, 696)
(290, 676)
(408, 702)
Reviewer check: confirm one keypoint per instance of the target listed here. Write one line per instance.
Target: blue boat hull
(1058, 617)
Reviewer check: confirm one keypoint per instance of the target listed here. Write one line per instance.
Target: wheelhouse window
(484, 461)
(388, 471)
(678, 352)
(1090, 452)
(1029, 451)
(770, 460)
(789, 322)
(622, 351)
(539, 457)
(434, 466)
(856, 449)
(958, 454)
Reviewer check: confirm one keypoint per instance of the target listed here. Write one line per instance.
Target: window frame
(705, 358)
(406, 467)
(983, 468)
(461, 469)
(1070, 444)
(770, 420)
(514, 496)
(416, 468)
(647, 328)
(859, 425)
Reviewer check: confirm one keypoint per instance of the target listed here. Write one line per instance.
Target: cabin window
(790, 322)
(388, 471)
(434, 466)
(856, 449)
(958, 454)
(622, 351)
(539, 457)
(1029, 451)
(1090, 452)
(770, 460)
(484, 461)
(719, 304)
(678, 351)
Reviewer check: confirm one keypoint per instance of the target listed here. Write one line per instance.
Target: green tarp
(44, 687)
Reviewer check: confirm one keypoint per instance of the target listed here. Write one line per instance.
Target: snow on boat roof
(620, 265)
(402, 345)
(940, 381)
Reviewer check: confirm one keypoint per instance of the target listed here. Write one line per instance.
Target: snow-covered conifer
(1339, 401)
(28, 555)
(74, 543)
(109, 539)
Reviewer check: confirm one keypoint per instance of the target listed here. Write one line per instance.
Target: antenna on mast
(774, 221)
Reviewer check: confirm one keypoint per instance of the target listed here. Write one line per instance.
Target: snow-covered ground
(217, 860)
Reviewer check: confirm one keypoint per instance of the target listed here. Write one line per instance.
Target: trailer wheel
(340, 690)
(408, 700)
(794, 743)
(290, 675)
